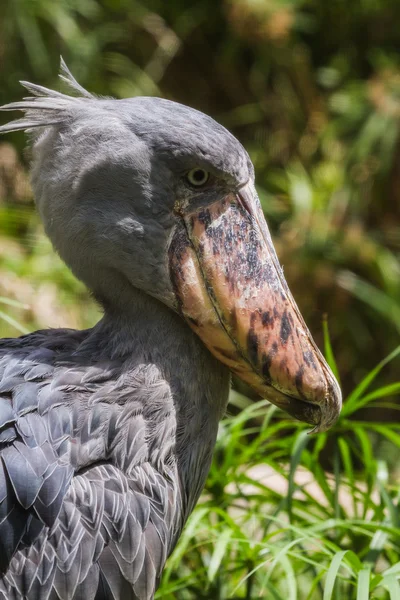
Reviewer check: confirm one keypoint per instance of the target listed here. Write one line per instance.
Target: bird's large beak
(232, 291)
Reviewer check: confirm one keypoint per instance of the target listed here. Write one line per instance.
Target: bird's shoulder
(76, 429)
(87, 406)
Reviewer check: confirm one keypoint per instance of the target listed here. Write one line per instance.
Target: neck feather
(150, 333)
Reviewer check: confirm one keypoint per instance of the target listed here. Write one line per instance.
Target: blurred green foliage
(312, 89)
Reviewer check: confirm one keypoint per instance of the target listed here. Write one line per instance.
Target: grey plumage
(106, 435)
(91, 498)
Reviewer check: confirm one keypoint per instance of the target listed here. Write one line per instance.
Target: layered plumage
(88, 500)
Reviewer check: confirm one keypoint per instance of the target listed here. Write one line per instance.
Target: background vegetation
(312, 89)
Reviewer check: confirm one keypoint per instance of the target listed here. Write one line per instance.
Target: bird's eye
(198, 177)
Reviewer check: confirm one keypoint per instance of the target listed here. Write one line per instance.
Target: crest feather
(45, 107)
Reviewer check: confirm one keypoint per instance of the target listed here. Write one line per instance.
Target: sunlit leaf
(332, 574)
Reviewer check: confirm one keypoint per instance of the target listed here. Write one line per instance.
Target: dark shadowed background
(312, 90)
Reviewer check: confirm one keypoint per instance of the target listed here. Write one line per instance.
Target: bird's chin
(231, 290)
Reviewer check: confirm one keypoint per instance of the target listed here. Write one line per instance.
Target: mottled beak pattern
(232, 292)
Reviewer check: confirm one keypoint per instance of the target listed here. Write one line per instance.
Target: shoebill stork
(106, 435)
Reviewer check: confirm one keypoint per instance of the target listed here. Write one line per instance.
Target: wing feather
(88, 498)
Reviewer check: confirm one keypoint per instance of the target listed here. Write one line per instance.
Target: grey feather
(99, 491)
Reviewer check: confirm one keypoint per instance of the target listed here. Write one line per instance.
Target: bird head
(149, 194)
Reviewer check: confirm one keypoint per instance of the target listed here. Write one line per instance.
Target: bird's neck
(151, 334)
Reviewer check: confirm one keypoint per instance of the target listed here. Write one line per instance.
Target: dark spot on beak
(286, 328)
(205, 218)
(309, 359)
(299, 380)
(252, 346)
(216, 234)
(177, 250)
(267, 319)
(283, 365)
(266, 363)
(267, 360)
(179, 244)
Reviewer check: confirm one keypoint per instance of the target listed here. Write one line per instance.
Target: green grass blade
(352, 399)
(383, 303)
(386, 390)
(393, 587)
(301, 442)
(348, 467)
(315, 583)
(218, 554)
(185, 539)
(332, 573)
(13, 303)
(291, 579)
(363, 584)
(393, 571)
(330, 358)
(376, 547)
(13, 323)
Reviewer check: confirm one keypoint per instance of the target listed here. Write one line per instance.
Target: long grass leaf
(363, 584)
(299, 445)
(383, 303)
(13, 323)
(392, 585)
(330, 358)
(348, 407)
(291, 579)
(332, 573)
(185, 538)
(14, 303)
(218, 554)
(348, 467)
(394, 570)
(376, 547)
(387, 390)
